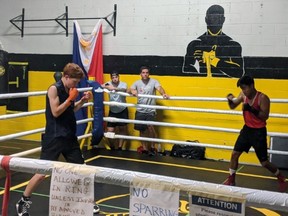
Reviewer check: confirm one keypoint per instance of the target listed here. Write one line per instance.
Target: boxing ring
(256, 198)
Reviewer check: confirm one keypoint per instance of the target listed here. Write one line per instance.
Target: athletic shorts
(122, 115)
(143, 117)
(255, 137)
(69, 148)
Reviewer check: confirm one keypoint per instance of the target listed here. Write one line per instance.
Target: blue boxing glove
(247, 107)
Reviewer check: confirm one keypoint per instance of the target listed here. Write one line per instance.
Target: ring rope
(229, 130)
(2, 138)
(39, 130)
(251, 198)
(38, 149)
(276, 115)
(20, 134)
(170, 108)
(22, 114)
(216, 99)
(157, 140)
(30, 113)
(275, 200)
(27, 152)
(36, 112)
(112, 135)
(22, 94)
(34, 93)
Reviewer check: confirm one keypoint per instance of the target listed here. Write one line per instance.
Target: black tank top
(65, 124)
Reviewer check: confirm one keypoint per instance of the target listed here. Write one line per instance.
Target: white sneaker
(22, 207)
(96, 209)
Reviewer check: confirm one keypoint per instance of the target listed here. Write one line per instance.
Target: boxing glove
(230, 97)
(247, 107)
(73, 93)
(87, 96)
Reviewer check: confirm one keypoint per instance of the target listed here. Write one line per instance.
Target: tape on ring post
(110, 135)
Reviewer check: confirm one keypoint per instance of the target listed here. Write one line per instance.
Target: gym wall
(157, 33)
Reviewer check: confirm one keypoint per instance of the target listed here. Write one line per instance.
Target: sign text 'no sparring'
(146, 202)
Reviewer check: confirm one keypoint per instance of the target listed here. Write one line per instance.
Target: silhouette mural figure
(214, 54)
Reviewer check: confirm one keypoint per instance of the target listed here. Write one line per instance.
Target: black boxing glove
(230, 94)
(230, 102)
(247, 107)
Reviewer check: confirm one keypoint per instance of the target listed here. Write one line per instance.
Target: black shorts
(69, 148)
(122, 115)
(143, 117)
(255, 137)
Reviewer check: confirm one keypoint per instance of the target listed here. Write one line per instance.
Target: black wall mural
(258, 67)
(3, 75)
(18, 82)
(214, 53)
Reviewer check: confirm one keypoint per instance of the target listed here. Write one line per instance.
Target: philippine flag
(87, 53)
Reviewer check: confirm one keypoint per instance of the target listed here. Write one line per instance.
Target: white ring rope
(216, 99)
(30, 113)
(39, 130)
(22, 114)
(259, 198)
(28, 152)
(36, 112)
(20, 134)
(197, 127)
(157, 140)
(38, 149)
(111, 135)
(22, 94)
(35, 93)
(276, 115)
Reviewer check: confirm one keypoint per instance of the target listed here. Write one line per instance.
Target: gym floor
(114, 200)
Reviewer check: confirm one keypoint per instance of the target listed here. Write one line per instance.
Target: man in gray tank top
(147, 86)
(115, 85)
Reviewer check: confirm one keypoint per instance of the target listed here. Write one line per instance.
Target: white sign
(205, 204)
(71, 191)
(152, 199)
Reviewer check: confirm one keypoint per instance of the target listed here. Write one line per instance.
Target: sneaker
(22, 207)
(152, 152)
(282, 187)
(230, 180)
(145, 152)
(96, 209)
(141, 150)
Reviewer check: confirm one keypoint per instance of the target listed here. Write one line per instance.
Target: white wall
(147, 27)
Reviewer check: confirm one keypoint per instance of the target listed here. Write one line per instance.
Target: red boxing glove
(86, 96)
(73, 93)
